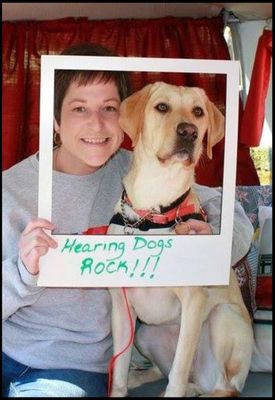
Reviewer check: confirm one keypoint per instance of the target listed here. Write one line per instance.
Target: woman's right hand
(34, 242)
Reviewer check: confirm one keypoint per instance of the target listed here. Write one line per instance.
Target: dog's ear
(216, 128)
(132, 113)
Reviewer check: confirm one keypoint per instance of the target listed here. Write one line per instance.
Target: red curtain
(254, 113)
(24, 42)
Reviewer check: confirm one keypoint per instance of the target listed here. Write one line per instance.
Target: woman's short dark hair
(63, 78)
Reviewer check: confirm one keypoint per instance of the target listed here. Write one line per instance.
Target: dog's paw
(139, 377)
(175, 390)
(118, 392)
(222, 393)
(189, 390)
(193, 390)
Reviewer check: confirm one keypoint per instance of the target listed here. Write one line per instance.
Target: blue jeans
(22, 381)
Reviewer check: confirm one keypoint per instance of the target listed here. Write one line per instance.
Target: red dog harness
(182, 207)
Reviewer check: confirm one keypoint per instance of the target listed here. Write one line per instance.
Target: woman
(57, 341)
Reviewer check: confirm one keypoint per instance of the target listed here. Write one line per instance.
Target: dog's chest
(155, 305)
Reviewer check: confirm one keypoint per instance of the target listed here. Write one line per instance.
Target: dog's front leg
(193, 300)
(121, 330)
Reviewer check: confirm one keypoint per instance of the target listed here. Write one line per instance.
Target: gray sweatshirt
(71, 327)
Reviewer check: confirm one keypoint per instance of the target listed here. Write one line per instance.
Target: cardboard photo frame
(125, 260)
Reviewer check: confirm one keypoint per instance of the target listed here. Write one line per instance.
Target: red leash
(113, 359)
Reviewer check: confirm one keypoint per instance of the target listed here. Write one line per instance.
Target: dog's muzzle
(189, 132)
(184, 144)
(185, 141)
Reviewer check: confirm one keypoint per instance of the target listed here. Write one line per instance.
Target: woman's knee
(61, 384)
(45, 388)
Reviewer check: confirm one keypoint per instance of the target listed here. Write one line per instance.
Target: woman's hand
(34, 243)
(193, 227)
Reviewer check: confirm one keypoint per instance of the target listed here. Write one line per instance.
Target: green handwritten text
(142, 242)
(88, 265)
(78, 247)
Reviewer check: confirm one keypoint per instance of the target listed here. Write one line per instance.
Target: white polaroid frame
(125, 260)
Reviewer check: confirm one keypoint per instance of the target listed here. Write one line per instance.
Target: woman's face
(88, 128)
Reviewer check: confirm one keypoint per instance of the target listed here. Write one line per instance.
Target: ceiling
(97, 11)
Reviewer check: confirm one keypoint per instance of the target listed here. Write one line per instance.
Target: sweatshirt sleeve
(18, 286)
(242, 227)
(242, 234)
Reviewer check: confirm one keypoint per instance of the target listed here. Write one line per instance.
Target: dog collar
(174, 212)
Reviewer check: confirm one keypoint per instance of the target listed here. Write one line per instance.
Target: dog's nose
(188, 131)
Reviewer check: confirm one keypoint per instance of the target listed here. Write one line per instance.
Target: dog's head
(171, 121)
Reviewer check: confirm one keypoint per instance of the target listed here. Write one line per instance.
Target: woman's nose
(95, 121)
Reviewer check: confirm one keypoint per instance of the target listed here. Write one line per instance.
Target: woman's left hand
(193, 227)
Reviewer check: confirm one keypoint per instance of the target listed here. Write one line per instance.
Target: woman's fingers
(34, 242)
(36, 238)
(193, 227)
(38, 223)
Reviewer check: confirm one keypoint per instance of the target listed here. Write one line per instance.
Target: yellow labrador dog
(167, 125)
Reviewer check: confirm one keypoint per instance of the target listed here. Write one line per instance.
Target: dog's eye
(162, 107)
(198, 112)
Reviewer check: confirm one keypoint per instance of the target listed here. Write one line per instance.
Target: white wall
(250, 32)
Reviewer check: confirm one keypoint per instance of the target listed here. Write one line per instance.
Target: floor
(257, 385)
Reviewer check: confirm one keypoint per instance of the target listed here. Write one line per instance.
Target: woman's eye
(80, 109)
(198, 112)
(162, 107)
(110, 108)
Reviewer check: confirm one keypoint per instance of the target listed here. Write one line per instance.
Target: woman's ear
(56, 126)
